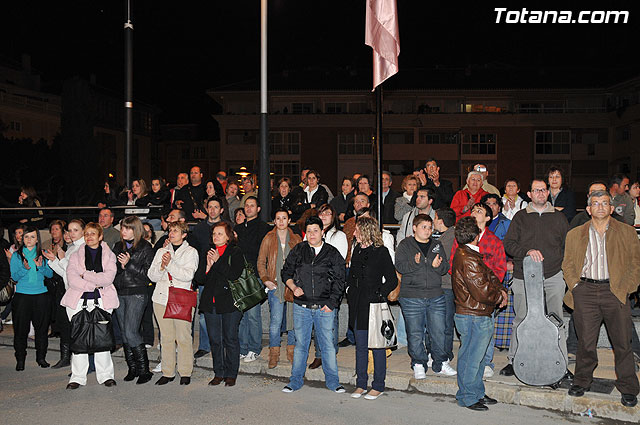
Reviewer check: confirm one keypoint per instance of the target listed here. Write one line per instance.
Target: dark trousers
(62, 320)
(595, 303)
(146, 328)
(362, 361)
(225, 344)
(129, 315)
(572, 339)
(35, 309)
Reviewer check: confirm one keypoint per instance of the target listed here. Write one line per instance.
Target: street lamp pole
(128, 92)
(264, 191)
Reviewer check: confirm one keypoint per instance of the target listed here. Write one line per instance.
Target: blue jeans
(475, 333)
(488, 356)
(223, 339)
(336, 326)
(251, 331)
(421, 313)
(402, 329)
(304, 320)
(362, 362)
(450, 311)
(278, 319)
(203, 344)
(129, 315)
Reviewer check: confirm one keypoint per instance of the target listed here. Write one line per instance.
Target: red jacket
(461, 198)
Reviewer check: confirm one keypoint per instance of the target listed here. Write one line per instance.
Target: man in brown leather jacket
(477, 291)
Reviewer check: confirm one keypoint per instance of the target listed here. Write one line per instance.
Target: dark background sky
(182, 48)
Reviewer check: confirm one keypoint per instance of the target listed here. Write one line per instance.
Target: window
(239, 137)
(439, 138)
(284, 142)
(623, 133)
(302, 108)
(335, 108)
(280, 169)
(479, 144)
(199, 152)
(358, 107)
(354, 144)
(553, 142)
(483, 107)
(548, 107)
(185, 153)
(398, 138)
(15, 126)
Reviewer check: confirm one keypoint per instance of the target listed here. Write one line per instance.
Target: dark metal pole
(379, 151)
(264, 192)
(128, 92)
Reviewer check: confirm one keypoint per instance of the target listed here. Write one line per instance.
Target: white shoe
(250, 357)
(358, 395)
(158, 368)
(7, 322)
(340, 390)
(242, 356)
(447, 370)
(488, 372)
(418, 371)
(372, 397)
(429, 362)
(287, 389)
(148, 346)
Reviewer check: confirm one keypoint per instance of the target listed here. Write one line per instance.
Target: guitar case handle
(556, 320)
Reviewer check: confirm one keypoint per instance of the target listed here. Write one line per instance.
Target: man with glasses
(602, 267)
(538, 231)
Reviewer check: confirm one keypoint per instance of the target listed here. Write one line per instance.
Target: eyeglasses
(597, 204)
(539, 191)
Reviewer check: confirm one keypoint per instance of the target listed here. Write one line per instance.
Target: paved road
(38, 396)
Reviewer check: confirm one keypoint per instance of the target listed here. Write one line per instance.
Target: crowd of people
(455, 263)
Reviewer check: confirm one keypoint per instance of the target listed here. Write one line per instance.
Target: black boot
(142, 364)
(19, 364)
(65, 356)
(40, 359)
(131, 363)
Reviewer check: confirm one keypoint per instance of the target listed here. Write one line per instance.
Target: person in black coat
(372, 277)
(560, 196)
(135, 256)
(284, 198)
(312, 196)
(389, 197)
(225, 262)
(344, 199)
(442, 189)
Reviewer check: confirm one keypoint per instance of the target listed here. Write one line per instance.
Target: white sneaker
(418, 372)
(250, 357)
(7, 322)
(340, 390)
(429, 362)
(242, 356)
(488, 372)
(158, 368)
(287, 389)
(447, 370)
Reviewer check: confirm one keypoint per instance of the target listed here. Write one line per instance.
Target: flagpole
(379, 152)
(128, 93)
(264, 191)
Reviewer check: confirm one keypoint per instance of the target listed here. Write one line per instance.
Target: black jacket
(364, 284)
(443, 194)
(388, 207)
(301, 203)
(566, 199)
(5, 271)
(341, 204)
(188, 194)
(250, 235)
(162, 197)
(133, 278)
(216, 283)
(279, 202)
(321, 276)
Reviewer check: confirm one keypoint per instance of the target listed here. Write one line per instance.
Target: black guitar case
(538, 359)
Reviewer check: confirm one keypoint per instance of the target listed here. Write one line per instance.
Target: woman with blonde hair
(134, 256)
(372, 277)
(174, 265)
(403, 203)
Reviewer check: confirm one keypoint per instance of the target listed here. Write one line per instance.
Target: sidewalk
(400, 377)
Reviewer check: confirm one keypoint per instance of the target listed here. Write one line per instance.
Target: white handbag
(382, 326)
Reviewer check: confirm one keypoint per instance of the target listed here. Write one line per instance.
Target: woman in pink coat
(91, 267)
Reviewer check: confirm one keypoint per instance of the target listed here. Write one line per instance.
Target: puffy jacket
(477, 289)
(133, 279)
(321, 276)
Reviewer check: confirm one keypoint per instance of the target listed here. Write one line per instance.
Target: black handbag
(91, 331)
(247, 291)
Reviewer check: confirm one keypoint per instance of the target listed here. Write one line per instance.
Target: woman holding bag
(225, 262)
(174, 265)
(91, 267)
(370, 263)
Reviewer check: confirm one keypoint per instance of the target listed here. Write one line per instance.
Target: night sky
(182, 48)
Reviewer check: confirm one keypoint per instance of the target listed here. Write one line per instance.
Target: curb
(601, 405)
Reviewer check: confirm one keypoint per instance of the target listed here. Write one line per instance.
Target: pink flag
(383, 35)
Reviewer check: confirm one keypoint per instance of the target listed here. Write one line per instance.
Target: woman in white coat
(174, 265)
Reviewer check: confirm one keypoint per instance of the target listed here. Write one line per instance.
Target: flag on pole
(383, 35)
